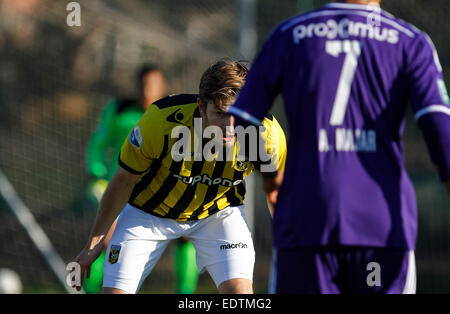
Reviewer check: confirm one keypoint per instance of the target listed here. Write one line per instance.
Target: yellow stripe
(222, 203)
(186, 168)
(175, 195)
(203, 215)
(201, 190)
(228, 173)
(239, 196)
(154, 186)
(160, 210)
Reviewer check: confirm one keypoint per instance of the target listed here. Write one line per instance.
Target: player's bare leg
(236, 286)
(107, 290)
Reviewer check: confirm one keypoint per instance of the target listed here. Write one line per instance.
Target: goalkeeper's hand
(95, 189)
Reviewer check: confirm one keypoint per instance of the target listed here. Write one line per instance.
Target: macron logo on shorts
(136, 137)
(230, 246)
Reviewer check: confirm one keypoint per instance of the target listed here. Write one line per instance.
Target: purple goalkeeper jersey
(346, 73)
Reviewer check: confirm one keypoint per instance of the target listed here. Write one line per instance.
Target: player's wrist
(94, 242)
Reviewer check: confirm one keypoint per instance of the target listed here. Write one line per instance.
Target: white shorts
(223, 244)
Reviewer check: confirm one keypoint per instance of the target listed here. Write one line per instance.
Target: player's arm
(141, 147)
(430, 102)
(254, 101)
(263, 83)
(272, 170)
(113, 201)
(271, 185)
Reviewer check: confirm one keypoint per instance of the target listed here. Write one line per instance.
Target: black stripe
(258, 162)
(176, 100)
(212, 210)
(165, 188)
(241, 189)
(231, 194)
(232, 198)
(151, 174)
(211, 193)
(128, 168)
(188, 195)
(175, 167)
(269, 116)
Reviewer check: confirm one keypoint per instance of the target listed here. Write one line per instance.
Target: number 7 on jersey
(352, 49)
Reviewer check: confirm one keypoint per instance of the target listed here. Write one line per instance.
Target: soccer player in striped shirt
(169, 190)
(346, 215)
(118, 118)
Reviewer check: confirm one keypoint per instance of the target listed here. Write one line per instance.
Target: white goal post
(37, 235)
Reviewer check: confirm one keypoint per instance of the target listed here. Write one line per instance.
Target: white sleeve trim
(432, 108)
(244, 115)
(435, 54)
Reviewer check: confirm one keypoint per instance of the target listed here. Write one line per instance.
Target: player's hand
(271, 186)
(272, 197)
(85, 259)
(271, 201)
(271, 189)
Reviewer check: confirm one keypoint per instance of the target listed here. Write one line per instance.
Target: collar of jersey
(196, 113)
(355, 6)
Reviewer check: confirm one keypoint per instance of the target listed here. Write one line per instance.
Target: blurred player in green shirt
(118, 118)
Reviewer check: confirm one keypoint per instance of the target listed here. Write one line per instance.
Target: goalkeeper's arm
(100, 141)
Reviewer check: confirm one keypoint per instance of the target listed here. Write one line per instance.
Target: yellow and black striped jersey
(190, 188)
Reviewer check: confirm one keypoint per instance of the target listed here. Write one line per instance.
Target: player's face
(217, 116)
(153, 87)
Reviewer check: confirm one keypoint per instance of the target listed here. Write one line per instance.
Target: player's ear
(201, 107)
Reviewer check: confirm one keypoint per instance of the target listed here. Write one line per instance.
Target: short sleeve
(274, 140)
(143, 144)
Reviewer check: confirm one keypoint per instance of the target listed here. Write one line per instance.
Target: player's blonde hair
(221, 82)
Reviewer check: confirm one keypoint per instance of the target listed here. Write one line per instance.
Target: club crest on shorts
(241, 165)
(114, 254)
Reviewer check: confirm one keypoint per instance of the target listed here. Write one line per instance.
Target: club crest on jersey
(241, 165)
(176, 117)
(114, 254)
(136, 137)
